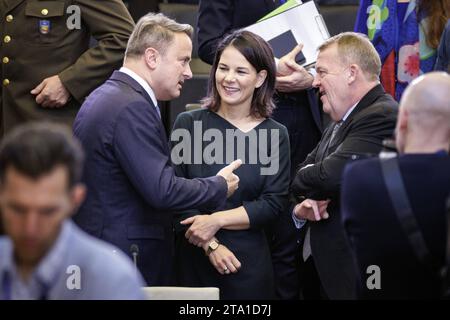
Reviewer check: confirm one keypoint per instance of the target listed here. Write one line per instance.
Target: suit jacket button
(5, 82)
(9, 18)
(5, 60)
(7, 39)
(44, 12)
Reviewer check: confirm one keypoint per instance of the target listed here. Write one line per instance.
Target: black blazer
(132, 188)
(361, 134)
(298, 111)
(374, 232)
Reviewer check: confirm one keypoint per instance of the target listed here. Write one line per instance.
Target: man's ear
(403, 119)
(152, 57)
(77, 195)
(260, 78)
(353, 70)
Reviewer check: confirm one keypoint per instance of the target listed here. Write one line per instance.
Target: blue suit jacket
(131, 185)
(374, 231)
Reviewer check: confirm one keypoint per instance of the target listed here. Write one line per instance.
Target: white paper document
(300, 24)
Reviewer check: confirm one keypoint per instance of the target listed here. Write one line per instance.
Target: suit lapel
(322, 152)
(122, 77)
(365, 102)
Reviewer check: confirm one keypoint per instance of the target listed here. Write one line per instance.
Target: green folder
(286, 6)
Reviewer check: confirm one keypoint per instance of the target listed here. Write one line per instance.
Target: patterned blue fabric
(406, 40)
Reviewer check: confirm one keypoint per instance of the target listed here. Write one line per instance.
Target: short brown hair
(356, 48)
(260, 55)
(437, 13)
(155, 31)
(35, 149)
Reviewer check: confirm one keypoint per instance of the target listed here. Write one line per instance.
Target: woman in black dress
(228, 248)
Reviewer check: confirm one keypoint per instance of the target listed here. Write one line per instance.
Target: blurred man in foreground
(44, 255)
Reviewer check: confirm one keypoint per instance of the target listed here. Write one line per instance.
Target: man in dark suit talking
(348, 69)
(131, 185)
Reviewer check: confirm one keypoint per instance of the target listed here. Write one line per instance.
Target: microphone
(134, 249)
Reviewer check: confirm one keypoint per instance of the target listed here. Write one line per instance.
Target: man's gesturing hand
(230, 177)
(292, 77)
(312, 210)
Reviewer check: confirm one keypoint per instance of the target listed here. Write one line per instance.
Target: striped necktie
(336, 127)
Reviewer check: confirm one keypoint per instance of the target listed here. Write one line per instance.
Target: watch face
(213, 245)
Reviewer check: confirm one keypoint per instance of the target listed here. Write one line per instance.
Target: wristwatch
(213, 245)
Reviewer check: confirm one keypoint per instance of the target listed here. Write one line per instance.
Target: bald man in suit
(373, 228)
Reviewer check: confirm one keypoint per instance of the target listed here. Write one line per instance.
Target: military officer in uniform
(47, 66)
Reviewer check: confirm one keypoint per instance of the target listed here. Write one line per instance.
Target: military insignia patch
(44, 26)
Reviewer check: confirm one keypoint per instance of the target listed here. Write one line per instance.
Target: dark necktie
(336, 127)
(307, 243)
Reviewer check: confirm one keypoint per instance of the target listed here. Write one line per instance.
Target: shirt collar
(349, 111)
(144, 84)
(51, 264)
(6, 262)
